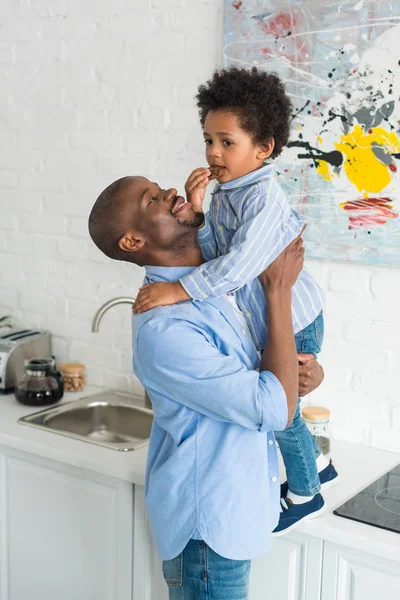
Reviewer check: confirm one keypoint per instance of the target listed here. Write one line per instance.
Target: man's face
(161, 216)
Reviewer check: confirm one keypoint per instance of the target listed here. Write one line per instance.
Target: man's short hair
(106, 220)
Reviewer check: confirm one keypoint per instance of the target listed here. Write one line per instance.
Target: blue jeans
(296, 443)
(199, 573)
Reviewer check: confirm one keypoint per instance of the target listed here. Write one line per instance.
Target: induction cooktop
(378, 504)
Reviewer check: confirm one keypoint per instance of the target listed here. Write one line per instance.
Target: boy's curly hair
(257, 98)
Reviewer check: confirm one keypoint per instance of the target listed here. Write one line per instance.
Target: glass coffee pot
(42, 383)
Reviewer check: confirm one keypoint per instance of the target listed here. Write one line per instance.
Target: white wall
(93, 90)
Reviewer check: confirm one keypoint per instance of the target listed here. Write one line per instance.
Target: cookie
(216, 171)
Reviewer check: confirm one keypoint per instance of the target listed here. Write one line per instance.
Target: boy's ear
(265, 150)
(130, 242)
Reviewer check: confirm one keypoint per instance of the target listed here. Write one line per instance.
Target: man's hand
(159, 294)
(195, 187)
(283, 272)
(311, 374)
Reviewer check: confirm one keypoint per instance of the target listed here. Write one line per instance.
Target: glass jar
(41, 385)
(317, 419)
(74, 377)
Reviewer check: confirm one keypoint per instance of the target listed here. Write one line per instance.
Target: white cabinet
(148, 581)
(65, 533)
(71, 534)
(352, 575)
(290, 571)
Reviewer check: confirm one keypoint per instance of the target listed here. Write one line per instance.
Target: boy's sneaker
(328, 478)
(292, 514)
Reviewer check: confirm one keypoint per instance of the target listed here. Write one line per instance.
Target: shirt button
(248, 314)
(274, 479)
(205, 296)
(243, 331)
(219, 227)
(270, 442)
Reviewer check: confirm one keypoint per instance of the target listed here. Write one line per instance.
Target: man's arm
(280, 354)
(178, 360)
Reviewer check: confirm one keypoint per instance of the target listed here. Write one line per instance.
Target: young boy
(245, 115)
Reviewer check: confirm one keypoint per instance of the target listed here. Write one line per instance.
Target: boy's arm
(266, 228)
(163, 294)
(206, 239)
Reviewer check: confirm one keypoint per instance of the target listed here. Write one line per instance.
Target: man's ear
(130, 242)
(265, 150)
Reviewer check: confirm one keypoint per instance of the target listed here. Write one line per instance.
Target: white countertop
(128, 466)
(358, 467)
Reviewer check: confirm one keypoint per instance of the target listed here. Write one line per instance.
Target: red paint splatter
(265, 51)
(280, 23)
(369, 212)
(355, 71)
(393, 168)
(283, 24)
(237, 5)
(369, 130)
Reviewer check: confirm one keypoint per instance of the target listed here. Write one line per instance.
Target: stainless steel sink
(108, 419)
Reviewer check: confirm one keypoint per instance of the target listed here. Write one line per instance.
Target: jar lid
(39, 364)
(71, 367)
(316, 413)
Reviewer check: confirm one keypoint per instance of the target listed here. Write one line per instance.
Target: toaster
(15, 348)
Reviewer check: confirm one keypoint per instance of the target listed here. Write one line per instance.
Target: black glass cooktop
(378, 504)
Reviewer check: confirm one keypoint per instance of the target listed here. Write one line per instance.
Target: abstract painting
(340, 62)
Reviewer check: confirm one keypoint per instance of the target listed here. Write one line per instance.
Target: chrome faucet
(103, 309)
(99, 315)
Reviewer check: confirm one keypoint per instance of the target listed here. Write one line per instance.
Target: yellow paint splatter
(323, 170)
(361, 165)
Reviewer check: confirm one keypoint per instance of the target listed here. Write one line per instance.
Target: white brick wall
(92, 91)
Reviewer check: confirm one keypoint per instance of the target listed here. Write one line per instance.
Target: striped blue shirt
(248, 225)
(212, 468)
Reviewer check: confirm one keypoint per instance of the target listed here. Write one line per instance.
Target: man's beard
(188, 239)
(195, 222)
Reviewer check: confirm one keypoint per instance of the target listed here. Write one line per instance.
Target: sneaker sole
(329, 484)
(298, 523)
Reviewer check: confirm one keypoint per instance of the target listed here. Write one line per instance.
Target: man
(212, 482)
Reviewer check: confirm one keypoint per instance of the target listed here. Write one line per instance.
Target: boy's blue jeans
(296, 443)
(199, 573)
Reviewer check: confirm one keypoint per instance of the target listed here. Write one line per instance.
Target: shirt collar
(252, 177)
(168, 274)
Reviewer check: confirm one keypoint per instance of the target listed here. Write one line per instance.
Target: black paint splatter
(334, 157)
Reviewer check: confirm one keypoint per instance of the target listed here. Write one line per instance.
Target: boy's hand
(159, 294)
(311, 374)
(195, 187)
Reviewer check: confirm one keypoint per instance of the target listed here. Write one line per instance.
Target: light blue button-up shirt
(212, 469)
(248, 225)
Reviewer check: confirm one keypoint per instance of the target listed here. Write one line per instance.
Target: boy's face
(230, 146)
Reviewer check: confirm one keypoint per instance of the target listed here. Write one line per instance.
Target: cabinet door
(290, 571)
(66, 533)
(353, 575)
(148, 581)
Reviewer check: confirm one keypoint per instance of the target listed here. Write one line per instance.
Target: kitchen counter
(127, 466)
(358, 467)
